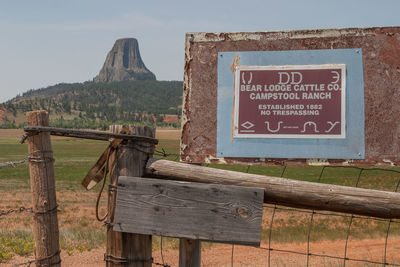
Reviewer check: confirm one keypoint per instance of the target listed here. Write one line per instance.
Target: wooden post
(189, 253)
(125, 249)
(44, 204)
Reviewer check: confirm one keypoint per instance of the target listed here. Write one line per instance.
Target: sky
(45, 42)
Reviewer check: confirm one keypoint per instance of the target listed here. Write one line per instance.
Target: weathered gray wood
(189, 253)
(96, 135)
(288, 192)
(129, 159)
(44, 204)
(217, 213)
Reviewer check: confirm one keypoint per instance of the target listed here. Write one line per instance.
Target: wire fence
(273, 246)
(30, 211)
(341, 258)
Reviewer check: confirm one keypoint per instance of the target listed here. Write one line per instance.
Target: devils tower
(124, 63)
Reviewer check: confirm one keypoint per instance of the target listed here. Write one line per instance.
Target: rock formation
(124, 63)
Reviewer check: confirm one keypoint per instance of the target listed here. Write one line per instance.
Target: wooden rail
(95, 135)
(287, 192)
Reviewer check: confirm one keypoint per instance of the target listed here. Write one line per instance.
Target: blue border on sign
(351, 147)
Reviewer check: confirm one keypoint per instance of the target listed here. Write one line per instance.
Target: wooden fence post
(44, 204)
(126, 249)
(189, 253)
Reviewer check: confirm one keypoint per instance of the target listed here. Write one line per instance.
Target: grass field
(79, 230)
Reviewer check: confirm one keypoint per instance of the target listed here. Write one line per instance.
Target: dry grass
(11, 133)
(80, 232)
(168, 134)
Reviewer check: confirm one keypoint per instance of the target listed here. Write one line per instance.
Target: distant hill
(97, 105)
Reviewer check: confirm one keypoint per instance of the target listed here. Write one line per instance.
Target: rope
(100, 219)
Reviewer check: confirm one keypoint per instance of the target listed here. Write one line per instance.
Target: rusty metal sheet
(381, 67)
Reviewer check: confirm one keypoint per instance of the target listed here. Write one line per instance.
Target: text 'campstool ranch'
(297, 101)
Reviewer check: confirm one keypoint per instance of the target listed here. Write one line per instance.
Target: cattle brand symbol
(249, 81)
(247, 125)
(277, 128)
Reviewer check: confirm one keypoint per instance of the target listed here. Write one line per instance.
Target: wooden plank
(44, 203)
(96, 135)
(189, 253)
(217, 213)
(288, 192)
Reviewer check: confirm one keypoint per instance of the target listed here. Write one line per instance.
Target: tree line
(97, 105)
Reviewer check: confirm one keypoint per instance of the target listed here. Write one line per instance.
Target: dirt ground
(221, 255)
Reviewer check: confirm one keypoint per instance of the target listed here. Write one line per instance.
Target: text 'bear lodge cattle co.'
(292, 97)
(290, 101)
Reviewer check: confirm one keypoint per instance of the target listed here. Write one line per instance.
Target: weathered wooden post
(189, 253)
(44, 204)
(126, 249)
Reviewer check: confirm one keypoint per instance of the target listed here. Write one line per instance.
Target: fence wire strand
(309, 254)
(345, 258)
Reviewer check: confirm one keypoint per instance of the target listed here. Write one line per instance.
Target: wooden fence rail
(292, 193)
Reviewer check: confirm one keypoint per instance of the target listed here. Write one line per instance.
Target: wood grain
(129, 159)
(287, 192)
(189, 253)
(41, 169)
(217, 213)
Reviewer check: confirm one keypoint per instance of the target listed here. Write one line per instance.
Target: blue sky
(44, 42)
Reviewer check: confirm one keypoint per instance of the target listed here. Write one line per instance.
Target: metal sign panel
(297, 101)
(372, 88)
(325, 85)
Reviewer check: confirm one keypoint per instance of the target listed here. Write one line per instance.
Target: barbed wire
(12, 163)
(30, 210)
(37, 261)
(17, 210)
(31, 157)
(162, 153)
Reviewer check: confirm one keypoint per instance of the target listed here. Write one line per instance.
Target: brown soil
(221, 255)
